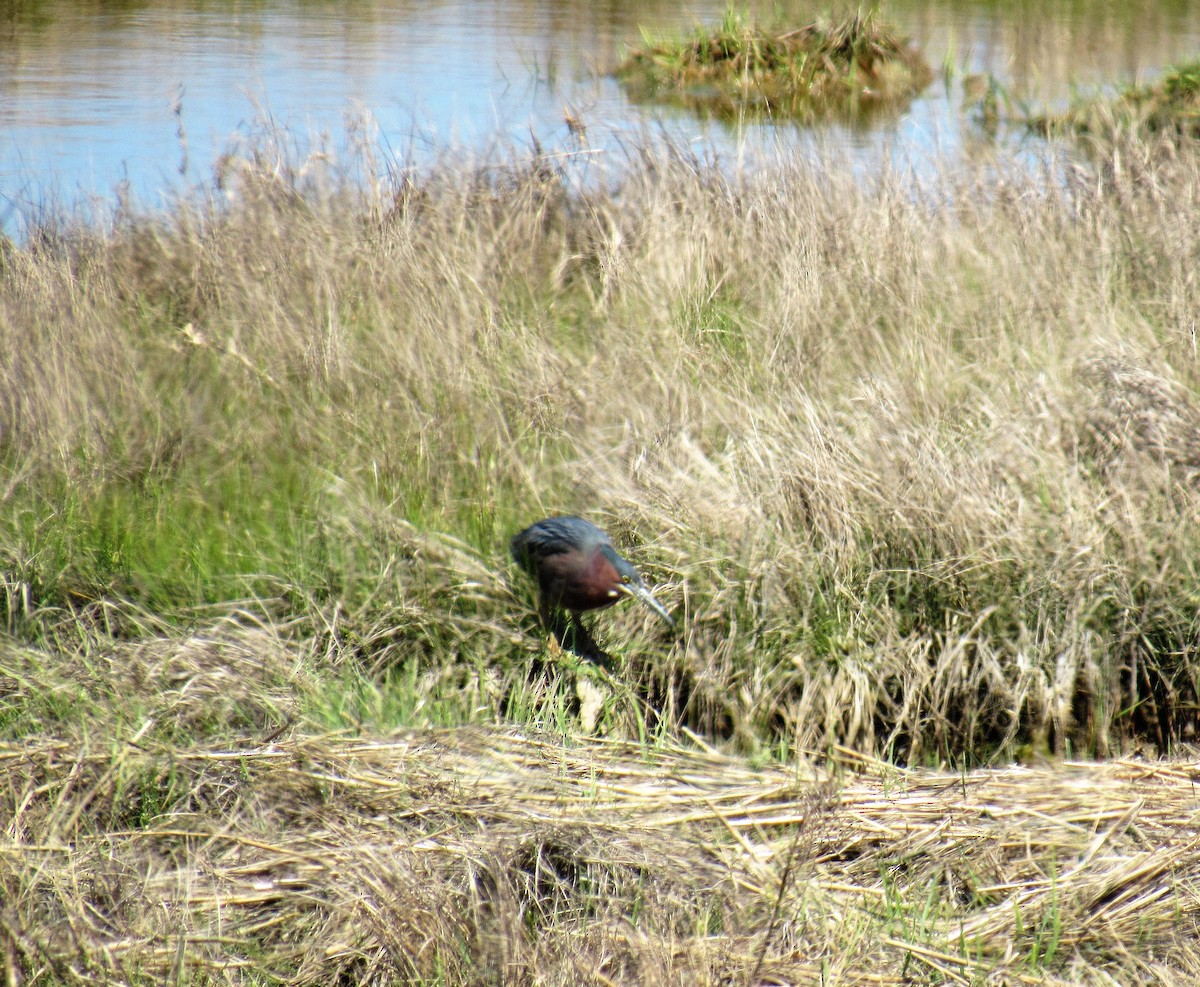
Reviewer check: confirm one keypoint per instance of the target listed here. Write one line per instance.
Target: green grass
(177, 542)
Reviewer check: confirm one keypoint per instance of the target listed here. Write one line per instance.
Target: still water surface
(96, 94)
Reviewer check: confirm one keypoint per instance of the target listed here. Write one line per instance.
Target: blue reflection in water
(146, 98)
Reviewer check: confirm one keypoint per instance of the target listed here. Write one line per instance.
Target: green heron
(577, 568)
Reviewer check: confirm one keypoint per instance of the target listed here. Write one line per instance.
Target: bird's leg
(571, 635)
(556, 627)
(580, 639)
(549, 617)
(585, 646)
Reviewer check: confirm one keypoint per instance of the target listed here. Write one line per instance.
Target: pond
(97, 95)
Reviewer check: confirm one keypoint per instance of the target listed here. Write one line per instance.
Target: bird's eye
(625, 579)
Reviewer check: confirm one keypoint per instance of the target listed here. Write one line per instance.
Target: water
(101, 95)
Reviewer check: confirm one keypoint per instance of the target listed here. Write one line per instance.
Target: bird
(577, 568)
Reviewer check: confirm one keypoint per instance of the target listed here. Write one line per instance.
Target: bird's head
(628, 583)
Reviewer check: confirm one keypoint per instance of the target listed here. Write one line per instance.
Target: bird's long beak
(643, 594)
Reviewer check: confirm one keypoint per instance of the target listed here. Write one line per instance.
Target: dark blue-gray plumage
(577, 568)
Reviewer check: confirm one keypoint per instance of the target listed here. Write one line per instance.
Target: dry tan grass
(477, 856)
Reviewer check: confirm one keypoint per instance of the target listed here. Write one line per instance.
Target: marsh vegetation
(1169, 106)
(847, 66)
(915, 466)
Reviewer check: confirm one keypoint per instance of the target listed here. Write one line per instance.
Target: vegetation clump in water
(847, 67)
(1170, 106)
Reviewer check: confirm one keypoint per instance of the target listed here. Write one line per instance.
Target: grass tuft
(846, 66)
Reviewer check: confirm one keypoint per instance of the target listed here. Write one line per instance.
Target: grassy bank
(916, 471)
(918, 476)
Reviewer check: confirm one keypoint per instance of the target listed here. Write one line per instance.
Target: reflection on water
(1043, 47)
(96, 93)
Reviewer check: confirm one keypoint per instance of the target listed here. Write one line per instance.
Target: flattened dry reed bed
(474, 856)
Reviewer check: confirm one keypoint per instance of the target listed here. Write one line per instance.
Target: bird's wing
(555, 535)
